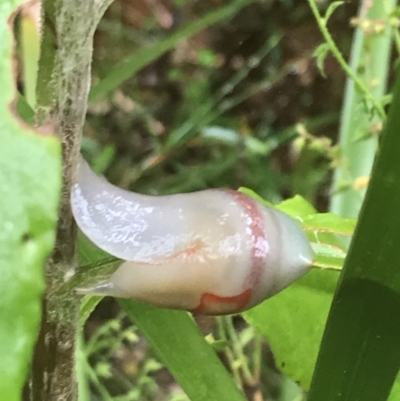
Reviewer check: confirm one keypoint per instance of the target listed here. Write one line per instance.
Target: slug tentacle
(211, 252)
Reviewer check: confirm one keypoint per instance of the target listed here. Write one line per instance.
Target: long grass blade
(141, 58)
(360, 352)
(180, 345)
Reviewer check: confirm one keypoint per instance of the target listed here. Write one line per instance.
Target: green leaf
(144, 56)
(88, 305)
(331, 9)
(320, 53)
(328, 256)
(323, 230)
(395, 394)
(30, 178)
(395, 12)
(329, 222)
(297, 207)
(24, 110)
(255, 196)
(293, 322)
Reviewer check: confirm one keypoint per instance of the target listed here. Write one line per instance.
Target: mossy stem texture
(62, 89)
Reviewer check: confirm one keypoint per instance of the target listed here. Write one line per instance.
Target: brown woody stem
(63, 84)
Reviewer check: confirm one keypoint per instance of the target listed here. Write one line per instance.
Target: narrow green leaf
(30, 176)
(88, 305)
(328, 256)
(210, 108)
(329, 222)
(331, 9)
(320, 53)
(297, 207)
(360, 352)
(178, 342)
(255, 196)
(141, 58)
(84, 392)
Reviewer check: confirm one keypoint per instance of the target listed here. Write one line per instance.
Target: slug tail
(105, 288)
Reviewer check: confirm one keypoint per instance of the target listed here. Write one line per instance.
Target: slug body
(210, 252)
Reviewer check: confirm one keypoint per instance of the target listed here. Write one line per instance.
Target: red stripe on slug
(260, 248)
(211, 303)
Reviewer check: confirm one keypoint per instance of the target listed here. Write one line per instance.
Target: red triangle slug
(216, 251)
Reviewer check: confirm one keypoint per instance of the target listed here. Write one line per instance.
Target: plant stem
(62, 89)
(359, 84)
(257, 357)
(241, 358)
(370, 54)
(228, 352)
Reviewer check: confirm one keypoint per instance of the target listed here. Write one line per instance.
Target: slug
(215, 251)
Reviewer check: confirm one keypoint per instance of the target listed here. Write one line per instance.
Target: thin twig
(345, 66)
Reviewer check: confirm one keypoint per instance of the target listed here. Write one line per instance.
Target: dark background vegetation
(281, 90)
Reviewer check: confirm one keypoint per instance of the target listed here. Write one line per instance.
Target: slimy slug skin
(212, 252)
